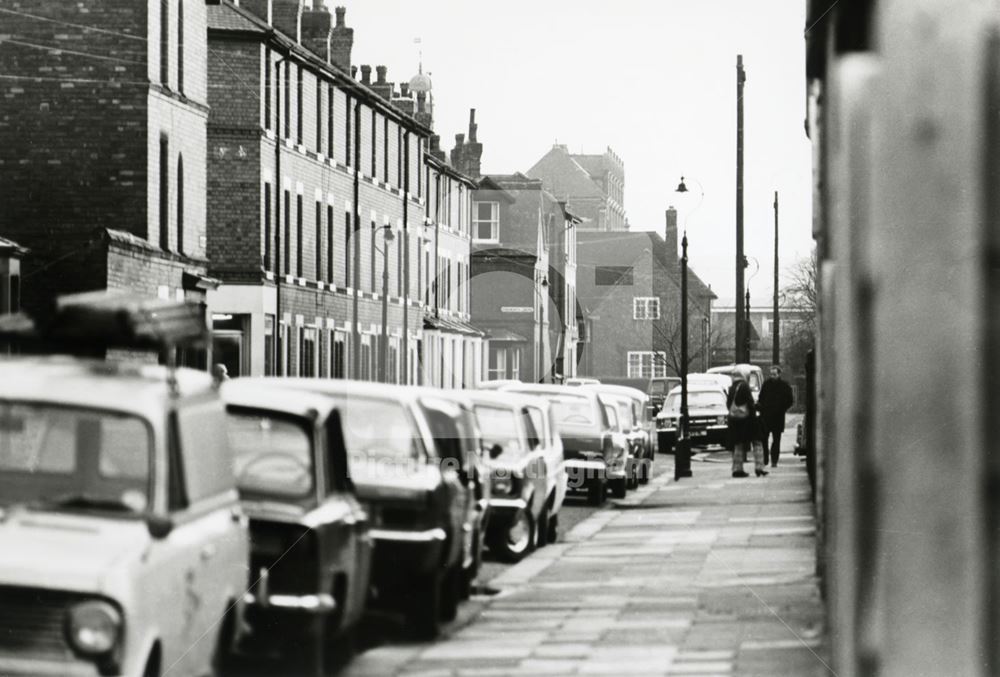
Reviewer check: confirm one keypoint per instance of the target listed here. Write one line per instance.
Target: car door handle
(207, 552)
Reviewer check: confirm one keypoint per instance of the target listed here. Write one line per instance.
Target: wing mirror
(159, 526)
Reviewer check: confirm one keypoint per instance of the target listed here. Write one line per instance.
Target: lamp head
(389, 235)
(681, 187)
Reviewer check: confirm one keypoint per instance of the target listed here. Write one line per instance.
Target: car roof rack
(91, 321)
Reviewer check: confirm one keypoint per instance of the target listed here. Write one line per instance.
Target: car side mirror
(495, 451)
(159, 526)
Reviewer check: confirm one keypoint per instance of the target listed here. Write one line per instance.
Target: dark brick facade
(337, 139)
(82, 127)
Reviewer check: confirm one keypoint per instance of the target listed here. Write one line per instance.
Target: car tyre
(424, 614)
(553, 531)
(596, 492)
(223, 657)
(619, 487)
(513, 543)
(542, 532)
(451, 593)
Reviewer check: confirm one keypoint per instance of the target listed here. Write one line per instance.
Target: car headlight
(721, 420)
(94, 627)
(502, 485)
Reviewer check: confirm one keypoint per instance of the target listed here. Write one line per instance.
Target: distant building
(103, 164)
(523, 279)
(793, 321)
(630, 290)
(593, 184)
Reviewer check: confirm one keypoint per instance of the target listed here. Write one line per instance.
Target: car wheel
(595, 492)
(553, 534)
(619, 487)
(542, 532)
(451, 592)
(424, 613)
(645, 470)
(224, 653)
(514, 543)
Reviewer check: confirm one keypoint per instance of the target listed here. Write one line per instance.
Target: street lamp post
(682, 451)
(748, 325)
(383, 353)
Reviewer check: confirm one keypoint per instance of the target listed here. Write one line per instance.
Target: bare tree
(800, 295)
(668, 330)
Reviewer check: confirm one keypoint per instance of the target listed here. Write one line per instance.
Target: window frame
(494, 221)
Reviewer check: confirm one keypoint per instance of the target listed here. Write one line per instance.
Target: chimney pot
(381, 72)
(366, 74)
(354, 72)
(459, 140)
(340, 12)
(404, 90)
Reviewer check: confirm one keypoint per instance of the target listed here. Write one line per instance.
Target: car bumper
(422, 551)
(12, 666)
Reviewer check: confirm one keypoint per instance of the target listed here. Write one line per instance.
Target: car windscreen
(498, 425)
(272, 455)
(702, 399)
(570, 410)
(377, 430)
(69, 458)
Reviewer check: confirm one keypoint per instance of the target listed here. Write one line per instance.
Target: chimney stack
(341, 42)
(435, 148)
(473, 154)
(316, 26)
(670, 236)
(366, 74)
(286, 16)
(382, 86)
(458, 152)
(259, 8)
(403, 102)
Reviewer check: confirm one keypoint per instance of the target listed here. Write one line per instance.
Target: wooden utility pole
(776, 333)
(740, 353)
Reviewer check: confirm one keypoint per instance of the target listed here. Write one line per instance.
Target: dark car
(658, 389)
(707, 417)
(310, 555)
(595, 453)
(519, 505)
(416, 501)
(457, 438)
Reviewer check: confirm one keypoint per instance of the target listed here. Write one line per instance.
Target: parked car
(707, 417)
(642, 430)
(457, 437)
(723, 381)
(526, 471)
(594, 451)
(580, 381)
(310, 557)
(497, 384)
(124, 546)
(417, 503)
(659, 387)
(751, 373)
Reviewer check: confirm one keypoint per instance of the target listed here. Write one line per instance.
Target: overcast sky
(653, 79)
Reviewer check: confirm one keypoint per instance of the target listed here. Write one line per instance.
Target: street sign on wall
(516, 309)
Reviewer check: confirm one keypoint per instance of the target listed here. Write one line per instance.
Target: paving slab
(707, 576)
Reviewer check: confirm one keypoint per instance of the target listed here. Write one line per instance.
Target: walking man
(774, 400)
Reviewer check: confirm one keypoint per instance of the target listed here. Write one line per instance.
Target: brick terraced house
(301, 249)
(452, 349)
(103, 130)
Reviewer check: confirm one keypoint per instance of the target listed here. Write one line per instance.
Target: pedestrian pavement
(710, 575)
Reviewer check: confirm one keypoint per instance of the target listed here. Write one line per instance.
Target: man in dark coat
(774, 400)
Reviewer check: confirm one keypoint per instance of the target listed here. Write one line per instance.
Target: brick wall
(81, 134)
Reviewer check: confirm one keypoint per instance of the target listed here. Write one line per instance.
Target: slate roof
(563, 176)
